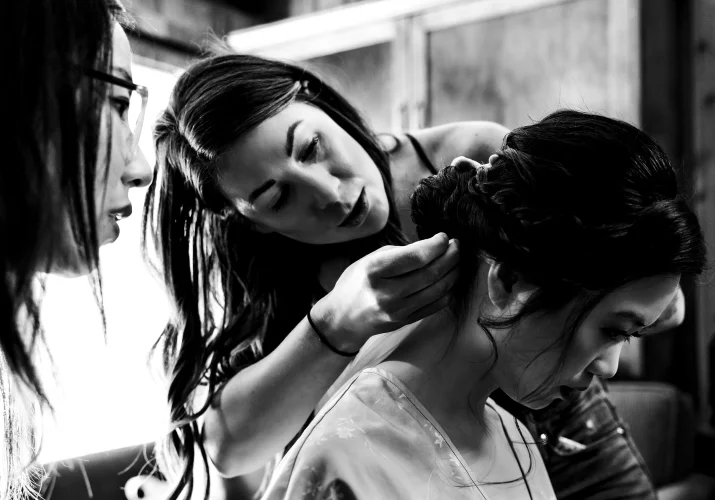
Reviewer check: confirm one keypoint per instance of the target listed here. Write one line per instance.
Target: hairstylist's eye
(120, 105)
(282, 199)
(310, 150)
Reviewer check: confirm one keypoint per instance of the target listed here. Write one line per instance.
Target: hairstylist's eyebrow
(631, 316)
(289, 138)
(260, 190)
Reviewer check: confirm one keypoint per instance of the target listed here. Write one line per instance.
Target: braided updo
(577, 204)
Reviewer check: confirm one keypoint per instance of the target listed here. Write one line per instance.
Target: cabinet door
(364, 77)
(519, 67)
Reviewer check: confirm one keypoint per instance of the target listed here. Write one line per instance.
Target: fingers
(145, 487)
(432, 298)
(464, 159)
(428, 310)
(397, 261)
(410, 284)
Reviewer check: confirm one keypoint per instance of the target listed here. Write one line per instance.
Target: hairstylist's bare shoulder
(474, 139)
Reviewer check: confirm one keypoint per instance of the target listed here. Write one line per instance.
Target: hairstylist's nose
(606, 365)
(326, 190)
(137, 173)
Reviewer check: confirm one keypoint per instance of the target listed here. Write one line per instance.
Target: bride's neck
(447, 365)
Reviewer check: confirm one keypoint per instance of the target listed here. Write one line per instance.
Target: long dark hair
(577, 204)
(235, 294)
(48, 180)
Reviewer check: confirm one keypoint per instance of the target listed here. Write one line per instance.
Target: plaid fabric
(586, 447)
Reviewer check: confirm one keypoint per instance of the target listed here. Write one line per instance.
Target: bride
(573, 239)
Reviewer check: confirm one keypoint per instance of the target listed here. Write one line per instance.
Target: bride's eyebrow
(632, 316)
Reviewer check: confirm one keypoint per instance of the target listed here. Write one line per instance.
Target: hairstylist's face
(117, 171)
(301, 175)
(529, 368)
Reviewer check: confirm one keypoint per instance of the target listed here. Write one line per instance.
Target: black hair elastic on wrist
(325, 342)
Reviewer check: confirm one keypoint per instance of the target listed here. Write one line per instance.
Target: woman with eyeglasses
(70, 160)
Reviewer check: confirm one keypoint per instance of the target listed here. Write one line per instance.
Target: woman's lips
(358, 213)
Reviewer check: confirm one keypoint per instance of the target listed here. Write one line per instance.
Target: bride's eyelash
(616, 334)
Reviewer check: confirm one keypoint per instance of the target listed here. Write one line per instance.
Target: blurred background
(408, 64)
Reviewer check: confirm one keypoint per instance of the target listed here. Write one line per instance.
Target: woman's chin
(66, 261)
(540, 402)
(69, 268)
(539, 405)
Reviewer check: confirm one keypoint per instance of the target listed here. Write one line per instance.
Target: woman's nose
(325, 189)
(606, 365)
(137, 173)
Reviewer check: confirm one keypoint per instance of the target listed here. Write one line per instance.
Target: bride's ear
(506, 286)
(500, 283)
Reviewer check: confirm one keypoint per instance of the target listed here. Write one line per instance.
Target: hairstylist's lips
(358, 212)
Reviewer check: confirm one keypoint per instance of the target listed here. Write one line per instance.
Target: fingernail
(455, 242)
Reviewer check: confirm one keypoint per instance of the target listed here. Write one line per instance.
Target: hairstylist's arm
(265, 405)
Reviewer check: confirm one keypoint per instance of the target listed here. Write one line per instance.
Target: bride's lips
(358, 213)
(568, 392)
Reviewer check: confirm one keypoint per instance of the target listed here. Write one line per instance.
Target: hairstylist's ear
(500, 282)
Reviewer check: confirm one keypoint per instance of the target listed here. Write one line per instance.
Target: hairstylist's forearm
(266, 404)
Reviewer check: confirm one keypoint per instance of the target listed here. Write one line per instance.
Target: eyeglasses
(132, 108)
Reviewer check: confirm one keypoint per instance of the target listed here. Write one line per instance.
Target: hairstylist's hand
(147, 488)
(387, 289)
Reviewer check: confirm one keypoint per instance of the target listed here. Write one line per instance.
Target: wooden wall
(521, 66)
(175, 31)
(702, 104)
(300, 7)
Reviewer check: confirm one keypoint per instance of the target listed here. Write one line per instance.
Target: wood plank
(666, 102)
(459, 14)
(518, 68)
(703, 46)
(309, 27)
(364, 77)
(300, 7)
(624, 55)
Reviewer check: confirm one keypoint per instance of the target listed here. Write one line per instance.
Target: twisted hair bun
(575, 198)
(450, 201)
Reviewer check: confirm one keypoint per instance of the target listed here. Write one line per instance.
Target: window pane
(363, 76)
(522, 66)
